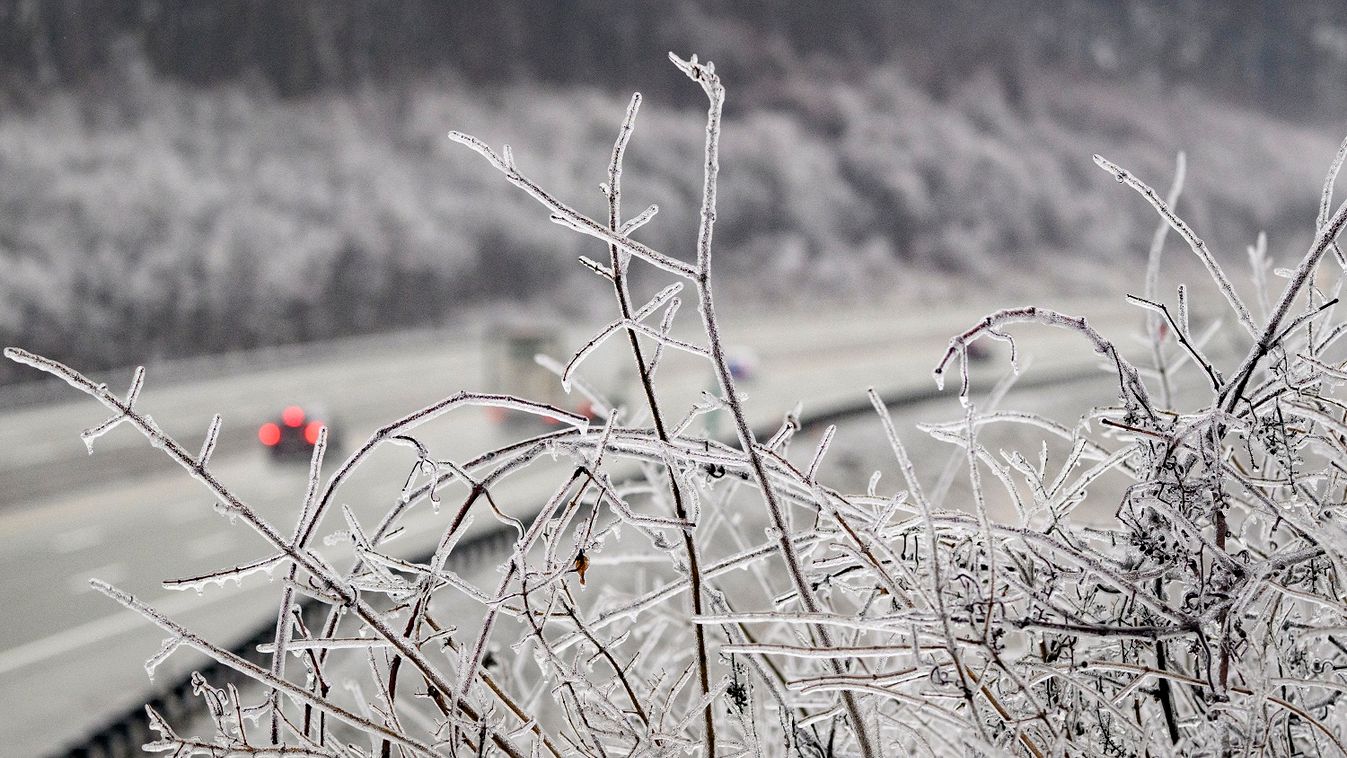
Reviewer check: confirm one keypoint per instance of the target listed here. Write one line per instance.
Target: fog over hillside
(179, 178)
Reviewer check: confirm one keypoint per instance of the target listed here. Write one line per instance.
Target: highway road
(70, 659)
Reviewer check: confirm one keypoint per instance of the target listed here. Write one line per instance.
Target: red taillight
(293, 416)
(311, 432)
(269, 434)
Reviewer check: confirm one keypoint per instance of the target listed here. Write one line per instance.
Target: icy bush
(1207, 617)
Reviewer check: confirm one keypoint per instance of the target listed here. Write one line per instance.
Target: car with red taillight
(293, 433)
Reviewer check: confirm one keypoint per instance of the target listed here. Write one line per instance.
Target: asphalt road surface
(70, 659)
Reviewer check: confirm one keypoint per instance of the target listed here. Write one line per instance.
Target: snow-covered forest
(182, 182)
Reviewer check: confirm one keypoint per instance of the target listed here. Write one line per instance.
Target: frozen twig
(1198, 247)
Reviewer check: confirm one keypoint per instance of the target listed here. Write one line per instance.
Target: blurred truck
(512, 369)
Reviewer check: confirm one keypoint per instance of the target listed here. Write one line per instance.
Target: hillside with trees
(198, 177)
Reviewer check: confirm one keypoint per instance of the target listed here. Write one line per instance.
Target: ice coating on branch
(639, 220)
(208, 444)
(635, 325)
(169, 646)
(132, 394)
(237, 574)
(1195, 243)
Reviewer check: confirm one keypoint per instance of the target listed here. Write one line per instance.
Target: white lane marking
(78, 584)
(108, 627)
(211, 544)
(80, 538)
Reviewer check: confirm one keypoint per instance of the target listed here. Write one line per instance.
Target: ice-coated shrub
(791, 618)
